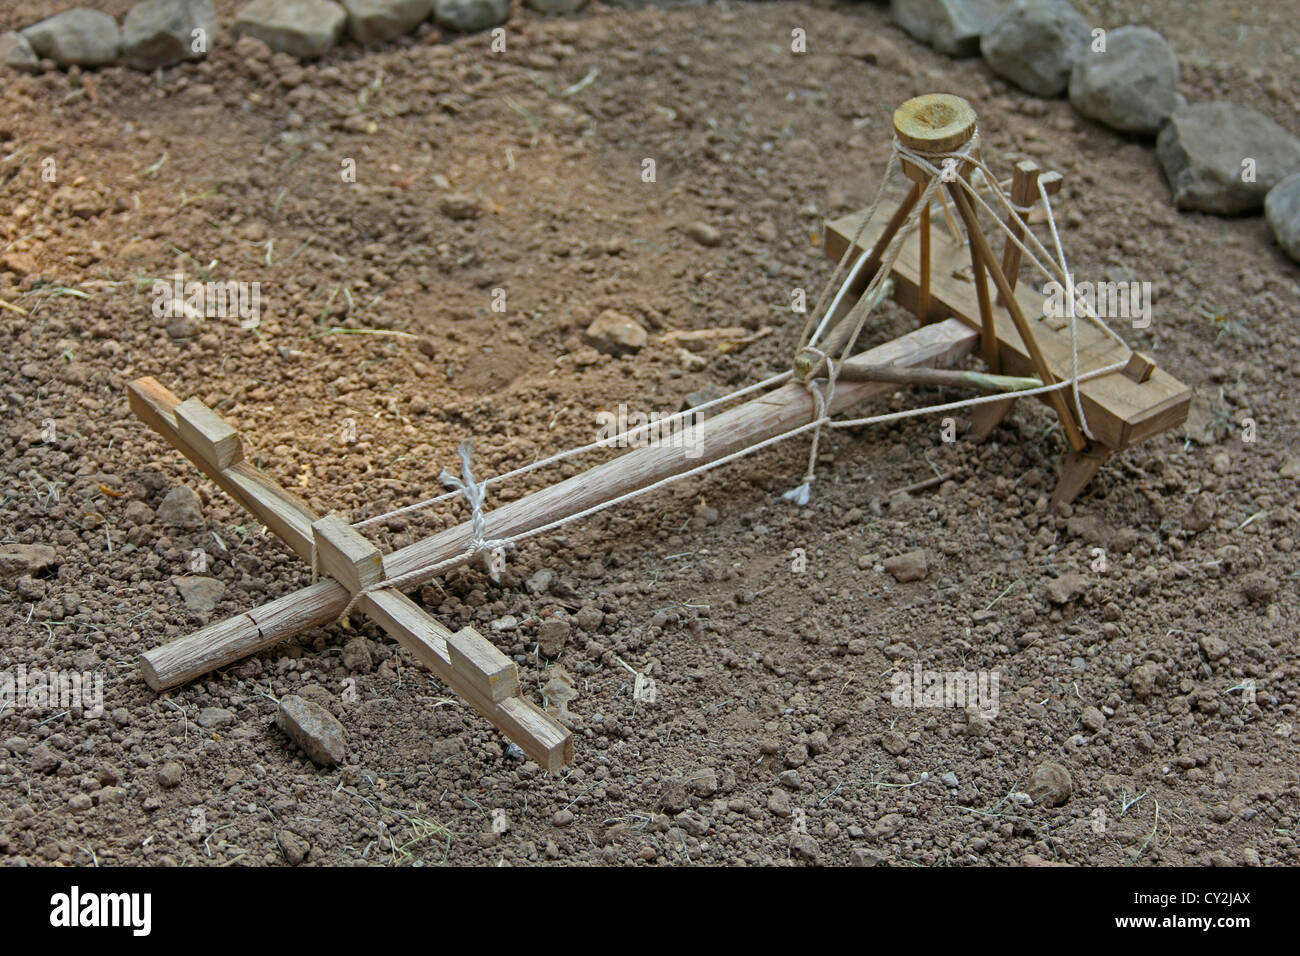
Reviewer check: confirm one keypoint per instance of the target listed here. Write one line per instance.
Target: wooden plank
(208, 434)
(482, 664)
(287, 515)
(544, 739)
(1120, 412)
(346, 555)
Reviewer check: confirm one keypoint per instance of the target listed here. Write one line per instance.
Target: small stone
(294, 847)
(803, 846)
(181, 508)
(22, 264)
(1144, 680)
(314, 729)
(1092, 719)
(1050, 786)
(552, 635)
(305, 29)
(589, 618)
(779, 803)
(161, 32)
(378, 21)
(562, 818)
(460, 206)
(1200, 515)
(790, 779)
(17, 54)
(1258, 586)
(1035, 44)
(1215, 648)
(894, 742)
(540, 581)
(1067, 588)
(1282, 209)
(1131, 85)
(864, 856)
(704, 783)
(673, 796)
(470, 16)
(911, 566)
(170, 774)
(616, 334)
(357, 657)
(949, 779)
(76, 38)
(952, 27)
(33, 559)
(199, 592)
(704, 234)
(1202, 149)
(210, 717)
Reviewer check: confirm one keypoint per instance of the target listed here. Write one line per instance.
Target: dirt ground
(772, 738)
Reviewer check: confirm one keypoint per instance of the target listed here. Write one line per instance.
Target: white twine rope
(814, 328)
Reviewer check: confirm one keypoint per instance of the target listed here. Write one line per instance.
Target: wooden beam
(283, 512)
(480, 662)
(769, 415)
(346, 555)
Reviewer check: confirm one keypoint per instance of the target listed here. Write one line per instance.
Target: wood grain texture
(1121, 412)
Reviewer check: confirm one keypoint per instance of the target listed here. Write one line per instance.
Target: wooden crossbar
(465, 661)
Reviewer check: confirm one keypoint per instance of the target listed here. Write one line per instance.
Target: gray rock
(161, 32)
(181, 508)
(357, 657)
(894, 742)
(314, 729)
(301, 28)
(210, 717)
(1066, 588)
(16, 53)
(1282, 207)
(18, 559)
(1202, 149)
(555, 7)
(704, 233)
(540, 581)
(615, 334)
(804, 847)
(552, 635)
(378, 21)
(1035, 45)
(199, 593)
(76, 38)
(470, 16)
(170, 774)
(953, 27)
(1132, 86)
(460, 206)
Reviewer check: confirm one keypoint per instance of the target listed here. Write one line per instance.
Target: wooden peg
(346, 555)
(210, 435)
(1139, 368)
(494, 675)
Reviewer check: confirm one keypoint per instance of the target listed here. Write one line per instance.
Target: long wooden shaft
(956, 378)
(765, 417)
(924, 308)
(978, 241)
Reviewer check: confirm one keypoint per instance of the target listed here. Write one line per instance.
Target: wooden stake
(925, 266)
(1024, 184)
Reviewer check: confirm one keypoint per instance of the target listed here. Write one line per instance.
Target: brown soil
(230, 169)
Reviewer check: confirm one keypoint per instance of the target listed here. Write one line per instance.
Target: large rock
(378, 21)
(1204, 149)
(953, 27)
(16, 53)
(555, 7)
(1282, 207)
(301, 28)
(199, 592)
(76, 38)
(470, 16)
(1035, 45)
(33, 559)
(314, 729)
(1132, 86)
(161, 32)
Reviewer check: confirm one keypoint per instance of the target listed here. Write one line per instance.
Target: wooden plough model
(1123, 400)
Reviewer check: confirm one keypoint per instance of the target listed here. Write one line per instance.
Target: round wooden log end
(935, 123)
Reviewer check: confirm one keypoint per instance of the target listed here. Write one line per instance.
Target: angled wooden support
(1077, 469)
